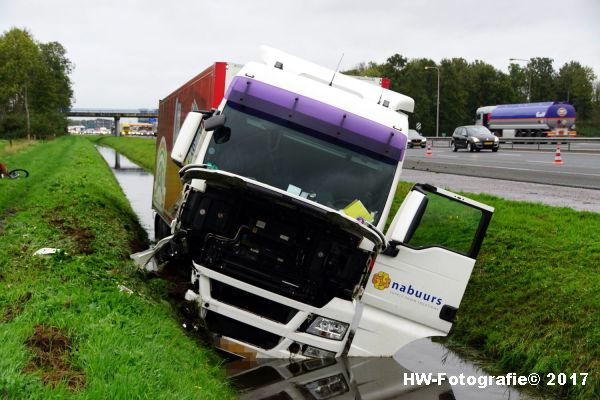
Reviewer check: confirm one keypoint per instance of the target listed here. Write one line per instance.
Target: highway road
(579, 169)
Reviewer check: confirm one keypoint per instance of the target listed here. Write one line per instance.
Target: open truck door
(416, 285)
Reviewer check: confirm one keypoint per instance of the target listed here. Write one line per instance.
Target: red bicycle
(13, 174)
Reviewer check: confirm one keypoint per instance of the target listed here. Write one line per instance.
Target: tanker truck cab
(287, 188)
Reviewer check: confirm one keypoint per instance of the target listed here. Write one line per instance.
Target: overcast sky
(129, 54)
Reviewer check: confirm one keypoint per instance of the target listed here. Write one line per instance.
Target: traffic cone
(557, 157)
(428, 152)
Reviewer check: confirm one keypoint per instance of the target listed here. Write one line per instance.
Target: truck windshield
(303, 162)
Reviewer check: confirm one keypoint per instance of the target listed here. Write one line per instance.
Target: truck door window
(450, 224)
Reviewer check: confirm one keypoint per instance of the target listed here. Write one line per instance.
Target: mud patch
(51, 350)
(16, 308)
(4, 216)
(138, 243)
(83, 237)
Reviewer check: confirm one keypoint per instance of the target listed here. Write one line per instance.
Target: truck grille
(255, 304)
(226, 326)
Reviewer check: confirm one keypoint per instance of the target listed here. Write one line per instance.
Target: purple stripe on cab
(319, 116)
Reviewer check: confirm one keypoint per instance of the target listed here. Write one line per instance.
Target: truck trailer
(546, 119)
(273, 195)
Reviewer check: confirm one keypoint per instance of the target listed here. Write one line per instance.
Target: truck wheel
(470, 147)
(161, 229)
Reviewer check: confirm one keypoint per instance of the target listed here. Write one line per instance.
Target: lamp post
(437, 118)
(528, 76)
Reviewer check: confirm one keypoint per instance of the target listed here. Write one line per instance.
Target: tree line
(35, 88)
(466, 86)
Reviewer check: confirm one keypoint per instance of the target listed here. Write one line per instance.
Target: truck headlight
(315, 352)
(329, 328)
(327, 388)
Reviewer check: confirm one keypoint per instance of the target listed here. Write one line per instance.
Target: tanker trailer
(545, 119)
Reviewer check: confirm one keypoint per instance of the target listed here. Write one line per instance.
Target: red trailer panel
(203, 92)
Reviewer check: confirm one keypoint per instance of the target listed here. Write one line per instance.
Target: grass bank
(141, 151)
(67, 329)
(533, 301)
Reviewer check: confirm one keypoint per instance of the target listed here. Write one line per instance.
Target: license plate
(489, 143)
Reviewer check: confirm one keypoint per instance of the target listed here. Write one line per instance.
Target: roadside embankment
(533, 303)
(82, 322)
(141, 151)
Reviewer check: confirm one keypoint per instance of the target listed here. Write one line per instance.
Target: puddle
(136, 183)
(351, 378)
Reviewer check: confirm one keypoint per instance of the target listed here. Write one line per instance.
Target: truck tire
(161, 229)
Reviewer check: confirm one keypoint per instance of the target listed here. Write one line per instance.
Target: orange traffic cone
(428, 152)
(557, 157)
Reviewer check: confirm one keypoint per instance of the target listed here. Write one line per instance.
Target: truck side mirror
(216, 123)
(186, 136)
(406, 220)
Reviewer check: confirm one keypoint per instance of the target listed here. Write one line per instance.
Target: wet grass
(141, 151)
(66, 328)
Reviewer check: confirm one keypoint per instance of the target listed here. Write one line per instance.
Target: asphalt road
(578, 170)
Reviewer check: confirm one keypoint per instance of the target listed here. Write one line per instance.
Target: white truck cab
(287, 188)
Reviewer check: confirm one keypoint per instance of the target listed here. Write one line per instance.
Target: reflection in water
(425, 356)
(345, 378)
(136, 183)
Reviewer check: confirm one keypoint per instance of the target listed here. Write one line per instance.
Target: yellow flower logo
(381, 280)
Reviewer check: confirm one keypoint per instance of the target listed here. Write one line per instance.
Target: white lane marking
(570, 153)
(523, 169)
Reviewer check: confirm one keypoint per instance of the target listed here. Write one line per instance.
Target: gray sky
(129, 54)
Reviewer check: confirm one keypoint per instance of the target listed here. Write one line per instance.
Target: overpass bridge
(116, 114)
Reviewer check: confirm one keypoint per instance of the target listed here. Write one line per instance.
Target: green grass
(141, 151)
(124, 345)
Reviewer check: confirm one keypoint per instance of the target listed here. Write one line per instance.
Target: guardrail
(447, 141)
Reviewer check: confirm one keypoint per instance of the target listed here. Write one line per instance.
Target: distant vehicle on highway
(546, 119)
(474, 138)
(415, 139)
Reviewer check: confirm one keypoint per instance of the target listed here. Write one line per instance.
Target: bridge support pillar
(117, 126)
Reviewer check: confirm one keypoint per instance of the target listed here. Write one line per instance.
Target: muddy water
(347, 378)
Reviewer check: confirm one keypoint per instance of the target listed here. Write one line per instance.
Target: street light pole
(437, 118)
(528, 76)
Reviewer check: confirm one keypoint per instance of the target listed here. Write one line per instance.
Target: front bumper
(252, 332)
(416, 143)
(486, 145)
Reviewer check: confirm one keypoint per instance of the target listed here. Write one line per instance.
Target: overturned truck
(273, 194)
